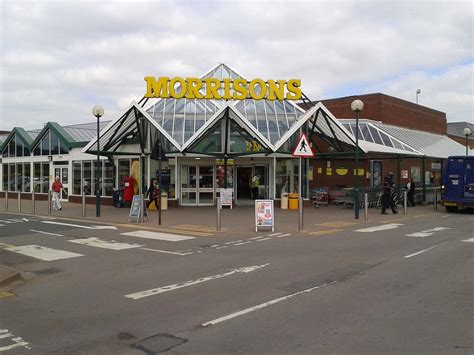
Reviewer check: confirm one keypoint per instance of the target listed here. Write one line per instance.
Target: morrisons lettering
(226, 89)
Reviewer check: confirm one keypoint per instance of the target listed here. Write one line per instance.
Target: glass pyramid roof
(182, 118)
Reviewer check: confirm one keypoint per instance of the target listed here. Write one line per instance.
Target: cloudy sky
(60, 58)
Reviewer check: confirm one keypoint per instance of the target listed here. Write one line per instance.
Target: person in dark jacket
(153, 193)
(388, 194)
(411, 193)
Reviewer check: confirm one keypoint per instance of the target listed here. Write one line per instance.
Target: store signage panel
(264, 214)
(226, 197)
(222, 89)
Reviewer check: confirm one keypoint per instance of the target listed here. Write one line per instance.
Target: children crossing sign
(303, 149)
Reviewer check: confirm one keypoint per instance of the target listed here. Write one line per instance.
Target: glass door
(188, 185)
(206, 185)
(63, 173)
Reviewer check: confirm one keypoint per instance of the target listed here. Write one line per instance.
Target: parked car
(457, 189)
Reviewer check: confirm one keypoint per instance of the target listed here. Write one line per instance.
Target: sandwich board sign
(303, 149)
(264, 214)
(226, 197)
(135, 208)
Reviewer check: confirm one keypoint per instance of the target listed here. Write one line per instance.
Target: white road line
(157, 235)
(214, 246)
(262, 305)
(16, 345)
(48, 233)
(79, 225)
(3, 331)
(6, 222)
(256, 238)
(283, 235)
(233, 242)
(2, 225)
(98, 243)
(422, 251)
(379, 228)
(5, 335)
(470, 240)
(167, 252)
(244, 243)
(222, 247)
(261, 240)
(427, 232)
(42, 253)
(446, 215)
(274, 234)
(156, 291)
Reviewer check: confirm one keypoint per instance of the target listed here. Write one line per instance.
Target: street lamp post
(418, 92)
(357, 106)
(467, 132)
(98, 112)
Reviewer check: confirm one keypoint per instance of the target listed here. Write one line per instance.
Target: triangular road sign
(303, 149)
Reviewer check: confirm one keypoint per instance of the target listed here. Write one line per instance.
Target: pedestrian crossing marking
(379, 228)
(327, 231)
(470, 240)
(157, 235)
(283, 235)
(6, 294)
(194, 227)
(4, 245)
(336, 224)
(16, 342)
(98, 243)
(426, 233)
(43, 253)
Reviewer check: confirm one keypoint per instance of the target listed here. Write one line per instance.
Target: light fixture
(356, 106)
(418, 92)
(98, 112)
(467, 132)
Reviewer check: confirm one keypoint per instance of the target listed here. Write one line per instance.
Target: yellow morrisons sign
(227, 89)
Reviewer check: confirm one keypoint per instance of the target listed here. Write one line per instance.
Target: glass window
(54, 144)
(376, 136)
(5, 177)
(365, 131)
(37, 177)
(123, 171)
(37, 150)
(62, 148)
(386, 139)
(45, 177)
(11, 177)
(12, 147)
(87, 177)
(19, 177)
(76, 177)
(286, 176)
(26, 177)
(5, 152)
(45, 144)
(109, 178)
(19, 148)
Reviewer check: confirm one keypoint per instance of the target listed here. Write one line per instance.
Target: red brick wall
(462, 140)
(391, 110)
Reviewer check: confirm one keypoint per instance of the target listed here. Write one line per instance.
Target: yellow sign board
(225, 89)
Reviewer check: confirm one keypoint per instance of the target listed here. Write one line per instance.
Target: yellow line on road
(6, 294)
(194, 227)
(4, 245)
(337, 224)
(327, 231)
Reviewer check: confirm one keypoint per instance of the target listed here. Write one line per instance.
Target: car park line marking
(244, 243)
(470, 240)
(426, 233)
(256, 237)
(98, 243)
(6, 294)
(157, 235)
(446, 215)
(327, 231)
(222, 247)
(422, 251)
(336, 224)
(43, 253)
(156, 291)
(17, 341)
(402, 218)
(214, 246)
(379, 228)
(274, 234)
(79, 225)
(194, 227)
(261, 240)
(283, 235)
(233, 242)
(262, 305)
(4, 245)
(48, 233)
(5, 335)
(167, 252)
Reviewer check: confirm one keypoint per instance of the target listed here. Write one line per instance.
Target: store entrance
(63, 173)
(244, 180)
(252, 184)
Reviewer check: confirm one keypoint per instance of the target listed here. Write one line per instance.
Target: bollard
(33, 202)
(405, 202)
(300, 213)
(366, 206)
(83, 204)
(218, 204)
(142, 210)
(436, 199)
(49, 201)
(6, 200)
(19, 201)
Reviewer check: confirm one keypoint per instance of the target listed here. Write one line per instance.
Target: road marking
(262, 305)
(6, 294)
(4, 245)
(156, 291)
(426, 233)
(446, 215)
(2, 225)
(43, 253)
(214, 246)
(256, 238)
(222, 247)
(283, 235)
(422, 251)
(98, 243)
(261, 240)
(274, 234)
(244, 243)
(234, 241)
(17, 341)
(379, 228)
(470, 240)
(48, 233)
(402, 218)
(5, 335)
(327, 231)
(157, 235)
(79, 225)
(168, 252)
(194, 227)
(337, 224)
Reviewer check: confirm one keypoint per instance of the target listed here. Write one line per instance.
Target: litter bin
(293, 201)
(284, 201)
(164, 201)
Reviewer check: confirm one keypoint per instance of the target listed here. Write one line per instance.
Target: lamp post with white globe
(98, 112)
(467, 132)
(357, 106)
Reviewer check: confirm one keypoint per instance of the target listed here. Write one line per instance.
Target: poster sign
(226, 197)
(135, 209)
(415, 173)
(264, 216)
(376, 173)
(404, 174)
(436, 166)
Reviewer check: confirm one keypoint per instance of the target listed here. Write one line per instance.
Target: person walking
(388, 194)
(255, 185)
(411, 193)
(56, 187)
(153, 193)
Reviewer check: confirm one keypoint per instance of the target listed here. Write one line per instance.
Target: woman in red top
(56, 187)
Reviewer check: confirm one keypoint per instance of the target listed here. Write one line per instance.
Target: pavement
(202, 221)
